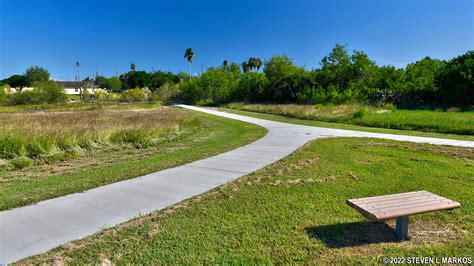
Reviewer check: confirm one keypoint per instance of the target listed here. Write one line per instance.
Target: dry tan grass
(64, 124)
(44, 134)
(317, 112)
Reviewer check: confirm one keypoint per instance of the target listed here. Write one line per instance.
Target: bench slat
(392, 197)
(403, 204)
(411, 206)
(418, 210)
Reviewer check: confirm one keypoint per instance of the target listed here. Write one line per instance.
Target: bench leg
(401, 229)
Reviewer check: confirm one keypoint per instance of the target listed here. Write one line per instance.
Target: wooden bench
(400, 206)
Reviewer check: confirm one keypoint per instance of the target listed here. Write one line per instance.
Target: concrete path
(37, 228)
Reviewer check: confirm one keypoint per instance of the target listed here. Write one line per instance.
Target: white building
(74, 87)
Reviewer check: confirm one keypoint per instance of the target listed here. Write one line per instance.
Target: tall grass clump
(49, 136)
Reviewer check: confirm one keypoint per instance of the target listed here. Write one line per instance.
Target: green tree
(245, 66)
(36, 74)
(182, 76)
(189, 55)
(17, 81)
(235, 68)
(113, 84)
(337, 67)
(278, 67)
(138, 79)
(133, 67)
(251, 88)
(362, 68)
(159, 78)
(100, 81)
(420, 81)
(283, 79)
(456, 80)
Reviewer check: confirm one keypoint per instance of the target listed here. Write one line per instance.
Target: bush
(11, 147)
(44, 92)
(86, 96)
(40, 147)
(100, 95)
(139, 139)
(166, 92)
(51, 92)
(134, 95)
(21, 162)
(3, 94)
(390, 106)
(359, 114)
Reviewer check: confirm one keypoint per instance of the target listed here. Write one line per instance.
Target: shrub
(139, 139)
(100, 95)
(21, 162)
(39, 147)
(44, 92)
(51, 92)
(134, 95)
(391, 107)
(359, 114)
(3, 94)
(166, 92)
(86, 96)
(11, 147)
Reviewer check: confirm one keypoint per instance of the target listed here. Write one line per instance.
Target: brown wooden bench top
(403, 204)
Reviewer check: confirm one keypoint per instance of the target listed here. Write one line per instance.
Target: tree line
(342, 77)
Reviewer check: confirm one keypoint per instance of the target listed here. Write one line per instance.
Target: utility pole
(78, 80)
(77, 66)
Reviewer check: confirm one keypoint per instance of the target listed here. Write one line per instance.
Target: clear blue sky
(107, 36)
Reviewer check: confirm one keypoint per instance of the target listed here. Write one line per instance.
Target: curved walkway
(37, 228)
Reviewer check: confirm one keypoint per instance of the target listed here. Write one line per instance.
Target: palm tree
(258, 63)
(189, 55)
(254, 63)
(251, 63)
(245, 66)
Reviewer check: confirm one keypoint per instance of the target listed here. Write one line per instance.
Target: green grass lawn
(112, 163)
(452, 121)
(317, 123)
(294, 211)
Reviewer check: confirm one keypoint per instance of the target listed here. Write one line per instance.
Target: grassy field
(294, 211)
(107, 146)
(451, 121)
(40, 137)
(317, 123)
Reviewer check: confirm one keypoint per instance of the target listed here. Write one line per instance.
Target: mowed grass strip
(318, 123)
(452, 121)
(294, 211)
(212, 135)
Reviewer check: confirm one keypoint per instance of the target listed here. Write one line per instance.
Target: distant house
(75, 87)
(13, 90)
(70, 87)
